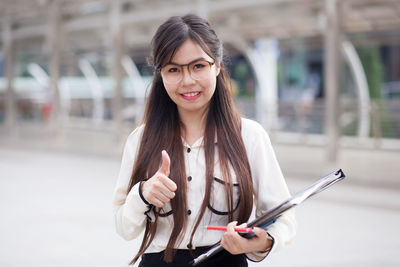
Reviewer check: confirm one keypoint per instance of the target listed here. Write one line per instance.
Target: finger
(161, 197)
(157, 189)
(164, 169)
(230, 239)
(156, 202)
(231, 226)
(243, 225)
(151, 196)
(168, 183)
(157, 198)
(164, 189)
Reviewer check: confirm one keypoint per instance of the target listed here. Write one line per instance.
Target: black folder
(270, 217)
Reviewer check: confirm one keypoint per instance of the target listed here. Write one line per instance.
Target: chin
(192, 108)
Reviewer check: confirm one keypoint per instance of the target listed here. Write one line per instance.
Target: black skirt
(183, 258)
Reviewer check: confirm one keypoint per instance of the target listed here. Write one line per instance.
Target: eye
(172, 69)
(199, 65)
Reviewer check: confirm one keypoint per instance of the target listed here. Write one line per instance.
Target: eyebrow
(197, 59)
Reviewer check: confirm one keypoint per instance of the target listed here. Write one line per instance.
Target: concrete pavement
(55, 201)
(56, 211)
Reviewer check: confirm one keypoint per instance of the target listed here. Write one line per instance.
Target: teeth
(191, 94)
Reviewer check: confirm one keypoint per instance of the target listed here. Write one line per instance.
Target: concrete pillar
(263, 58)
(9, 59)
(264, 62)
(332, 58)
(54, 64)
(116, 35)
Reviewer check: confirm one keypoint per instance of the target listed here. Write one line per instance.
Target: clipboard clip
(318, 186)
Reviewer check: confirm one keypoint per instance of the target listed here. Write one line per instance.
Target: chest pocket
(218, 203)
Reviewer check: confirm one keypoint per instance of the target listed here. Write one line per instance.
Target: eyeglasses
(198, 70)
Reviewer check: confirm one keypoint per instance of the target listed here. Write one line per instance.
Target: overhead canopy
(86, 23)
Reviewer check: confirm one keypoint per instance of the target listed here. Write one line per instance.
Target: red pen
(237, 229)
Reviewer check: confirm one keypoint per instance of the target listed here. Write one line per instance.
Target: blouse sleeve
(129, 209)
(270, 189)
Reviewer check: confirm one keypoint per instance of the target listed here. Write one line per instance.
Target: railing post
(331, 73)
(9, 58)
(54, 64)
(116, 35)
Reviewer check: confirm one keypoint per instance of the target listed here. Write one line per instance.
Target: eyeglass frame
(187, 66)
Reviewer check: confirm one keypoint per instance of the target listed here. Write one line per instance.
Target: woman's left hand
(236, 244)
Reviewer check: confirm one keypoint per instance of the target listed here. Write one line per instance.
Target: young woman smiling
(194, 161)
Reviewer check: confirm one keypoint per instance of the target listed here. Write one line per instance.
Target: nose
(186, 77)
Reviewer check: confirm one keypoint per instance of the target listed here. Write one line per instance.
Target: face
(191, 95)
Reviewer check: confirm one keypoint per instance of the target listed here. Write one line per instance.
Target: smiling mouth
(191, 94)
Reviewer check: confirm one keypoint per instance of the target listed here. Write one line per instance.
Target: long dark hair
(162, 130)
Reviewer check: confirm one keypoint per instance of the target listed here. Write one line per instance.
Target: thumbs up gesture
(159, 189)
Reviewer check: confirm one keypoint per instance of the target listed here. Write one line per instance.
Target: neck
(193, 125)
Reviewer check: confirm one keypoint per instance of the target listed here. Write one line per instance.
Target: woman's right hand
(159, 189)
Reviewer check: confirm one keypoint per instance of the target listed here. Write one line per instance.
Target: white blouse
(269, 190)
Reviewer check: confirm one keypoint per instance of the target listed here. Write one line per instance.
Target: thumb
(165, 163)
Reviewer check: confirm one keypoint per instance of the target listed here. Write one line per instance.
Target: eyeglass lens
(198, 70)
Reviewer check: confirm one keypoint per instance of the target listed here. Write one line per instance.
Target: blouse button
(189, 245)
(188, 150)
(189, 178)
(189, 212)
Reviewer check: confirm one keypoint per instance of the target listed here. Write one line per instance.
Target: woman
(194, 162)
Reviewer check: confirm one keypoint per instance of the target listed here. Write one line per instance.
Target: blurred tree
(373, 67)
(240, 73)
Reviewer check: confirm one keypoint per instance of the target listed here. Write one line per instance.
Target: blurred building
(303, 68)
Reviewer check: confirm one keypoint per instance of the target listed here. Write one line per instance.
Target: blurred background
(321, 76)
